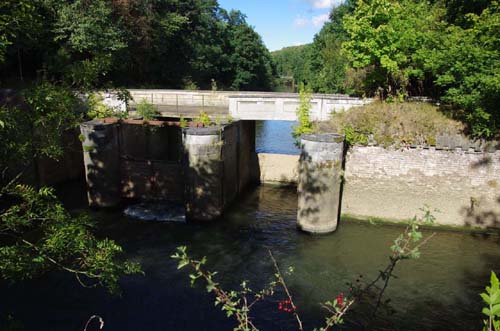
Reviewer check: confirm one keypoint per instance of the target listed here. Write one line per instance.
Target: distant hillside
(293, 62)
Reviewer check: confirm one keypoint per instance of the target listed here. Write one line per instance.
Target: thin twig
(283, 284)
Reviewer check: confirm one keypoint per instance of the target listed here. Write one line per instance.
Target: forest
(448, 50)
(169, 44)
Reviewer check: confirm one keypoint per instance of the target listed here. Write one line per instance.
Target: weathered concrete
(242, 105)
(278, 168)
(102, 163)
(203, 168)
(204, 173)
(280, 106)
(395, 184)
(319, 187)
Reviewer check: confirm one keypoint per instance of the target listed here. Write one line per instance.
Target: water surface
(275, 137)
(437, 292)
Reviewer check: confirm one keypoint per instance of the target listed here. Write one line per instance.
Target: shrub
(147, 111)
(203, 118)
(303, 113)
(395, 124)
(96, 108)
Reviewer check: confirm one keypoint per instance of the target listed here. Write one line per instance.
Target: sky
(283, 23)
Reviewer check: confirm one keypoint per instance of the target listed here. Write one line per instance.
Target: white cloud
(300, 22)
(319, 20)
(322, 4)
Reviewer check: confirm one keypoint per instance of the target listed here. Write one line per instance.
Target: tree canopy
(446, 49)
(133, 43)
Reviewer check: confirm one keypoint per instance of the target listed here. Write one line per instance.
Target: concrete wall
(394, 184)
(137, 161)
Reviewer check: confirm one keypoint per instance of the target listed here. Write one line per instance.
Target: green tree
(466, 67)
(293, 62)
(250, 60)
(386, 37)
(327, 63)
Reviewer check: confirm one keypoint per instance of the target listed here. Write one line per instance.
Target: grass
(392, 124)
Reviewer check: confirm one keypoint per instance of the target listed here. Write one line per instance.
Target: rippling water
(437, 292)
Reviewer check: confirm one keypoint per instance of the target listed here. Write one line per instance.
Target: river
(439, 291)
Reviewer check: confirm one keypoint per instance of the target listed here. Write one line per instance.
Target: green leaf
(496, 310)
(182, 264)
(487, 312)
(494, 282)
(486, 298)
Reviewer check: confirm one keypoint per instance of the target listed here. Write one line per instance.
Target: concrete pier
(204, 173)
(319, 182)
(101, 156)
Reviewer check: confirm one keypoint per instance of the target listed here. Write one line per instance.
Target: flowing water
(439, 291)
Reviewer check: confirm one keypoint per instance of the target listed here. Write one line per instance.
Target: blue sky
(284, 23)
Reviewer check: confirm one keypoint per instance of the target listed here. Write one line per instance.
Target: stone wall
(394, 184)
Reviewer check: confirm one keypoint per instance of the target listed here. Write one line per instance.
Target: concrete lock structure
(319, 182)
(202, 168)
(204, 173)
(102, 163)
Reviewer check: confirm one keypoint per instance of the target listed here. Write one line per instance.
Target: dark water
(437, 292)
(275, 137)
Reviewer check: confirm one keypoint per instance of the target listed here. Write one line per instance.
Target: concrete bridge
(242, 105)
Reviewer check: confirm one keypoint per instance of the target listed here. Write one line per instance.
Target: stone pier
(102, 163)
(319, 182)
(204, 175)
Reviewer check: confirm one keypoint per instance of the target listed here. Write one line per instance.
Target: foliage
(96, 108)
(303, 113)
(34, 130)
(203, 118)
(183, 123)
(466, 66)
(293, 62)
(329, 66)
(249, 60)
(392, 124)
(387, 35)
(18, 18)
(147, 111)
(38, 234)
(492, 298)
(134, 43)
(392, 49)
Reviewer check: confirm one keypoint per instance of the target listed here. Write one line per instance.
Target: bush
(395, 124)
(147, 111)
